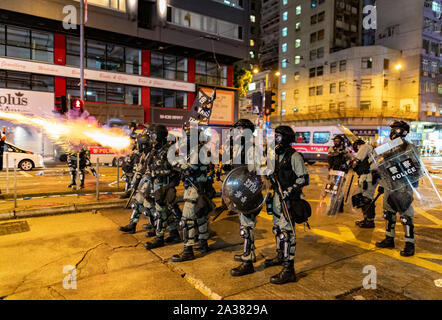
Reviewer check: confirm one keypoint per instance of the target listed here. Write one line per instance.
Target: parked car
(24, 160)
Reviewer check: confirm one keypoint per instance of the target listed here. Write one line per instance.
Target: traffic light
(78, 105)
(269, 103)
(61, 104)
(256, 102)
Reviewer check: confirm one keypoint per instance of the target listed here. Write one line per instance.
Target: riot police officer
(292, 175)
(339, 158)
(247, 220)
(368, 178)
(84, 162)
(164, 180)
(198, 192)
(399, 200)
(140, 205)
(140, 146)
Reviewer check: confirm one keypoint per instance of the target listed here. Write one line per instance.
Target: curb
(42, 194)
(60, 210)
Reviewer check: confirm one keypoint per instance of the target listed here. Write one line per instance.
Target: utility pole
(82, 50)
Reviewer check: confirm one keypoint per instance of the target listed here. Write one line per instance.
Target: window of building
(168, 66)
(386, 83)
(298, 10)
(284, 63)
(342, 65)
(26, 81)
(386, 64)
(436, 7)
(321, 16)
(313, 19)
(384, 104)
(366, 63)
(365, 105)
(284, 16)
(252, 18)
(119, 5)
(252, 42)
(283, 79)
(365, 84)
(435, 48)
(311, 91)
(164, 98)
(297, 43)
(284, 32)
(312, 73)
(298, 26)
(314, 3)
(332, 87)
(434, 67)
(312, 55)
(320, 35)
(284, 2)
(284, 47)
(333, 67)
(341, 106)
(321, 137)
(319, 90)
(283, 95)
(209, 73)
(302, 137)
(320, 53)
(320, 71)
(426, 46)
(342, 86)
(204, 23)
(297, 76)
(332, 107)
(297, 59)
(312, 37)
(26, 44)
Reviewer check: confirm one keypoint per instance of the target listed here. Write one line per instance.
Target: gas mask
(396, 133)
(281, 144)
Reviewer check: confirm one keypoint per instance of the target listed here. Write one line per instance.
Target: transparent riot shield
(244, 191)
(332, 197)
(405, 175)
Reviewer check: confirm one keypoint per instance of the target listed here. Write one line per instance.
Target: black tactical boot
(365, 224)
(147, 227)
(388, 242)
(186, 255)
(125, 195)
(238, 258)
(203, 246)
(408, 250)
(174, 237)
(286, 275)
(276, 261)
(243, 269)
(156, 243)
(82, 186)
(130, 228)
(72, 184)
(150, 234)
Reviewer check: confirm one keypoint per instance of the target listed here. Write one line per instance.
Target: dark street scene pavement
(330, 257)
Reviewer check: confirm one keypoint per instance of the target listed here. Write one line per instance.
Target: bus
(313, 142)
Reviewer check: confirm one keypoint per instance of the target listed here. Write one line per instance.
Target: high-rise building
(335, 69)
(269, 49)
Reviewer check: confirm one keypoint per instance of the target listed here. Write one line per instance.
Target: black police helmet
(287, 133)
(358, 143)
(244, 123)
(400, 124)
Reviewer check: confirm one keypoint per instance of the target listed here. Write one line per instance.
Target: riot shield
(244, 191)
(332, 197)
(402, 170)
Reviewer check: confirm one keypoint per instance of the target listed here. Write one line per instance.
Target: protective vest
(284, 170)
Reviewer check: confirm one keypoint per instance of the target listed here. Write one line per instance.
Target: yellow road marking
(429, 216)
(345, 235)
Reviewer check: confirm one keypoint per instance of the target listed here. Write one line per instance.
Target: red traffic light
(78, 104)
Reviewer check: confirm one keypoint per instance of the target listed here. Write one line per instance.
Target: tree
(242, 79)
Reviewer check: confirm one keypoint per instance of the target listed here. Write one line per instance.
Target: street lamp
(277, 73)
(255, 70)
(398, 67)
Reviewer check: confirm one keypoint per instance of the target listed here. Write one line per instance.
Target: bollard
(78, 171)
(7, 173)
(15, 185)
(118, 174)
(98, 179)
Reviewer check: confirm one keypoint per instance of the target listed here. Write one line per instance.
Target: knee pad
(245, 232)
(276, 231)
(407, 221)
(388, 215)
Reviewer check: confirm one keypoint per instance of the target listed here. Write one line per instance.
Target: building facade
(336, 71)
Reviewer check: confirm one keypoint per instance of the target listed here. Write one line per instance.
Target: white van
(24, 160)
(105, 156)
(313, 142)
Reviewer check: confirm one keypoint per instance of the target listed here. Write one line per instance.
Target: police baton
(130, 198)
(349, 187)
(285, 210)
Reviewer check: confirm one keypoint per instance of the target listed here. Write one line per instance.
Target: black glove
(381, 190)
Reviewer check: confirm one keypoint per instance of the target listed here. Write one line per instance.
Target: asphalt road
(332, 259)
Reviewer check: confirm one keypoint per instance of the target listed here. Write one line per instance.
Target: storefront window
(2, 78)
(42, 83)
(133, 61)
(168, 98)
(18, 80)
(114, 58)
(209, 73)
(115, 93)
(2, 40)
(42, 46)
(168, 66)
(18, 41)
(132, 95)
(95, 55)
